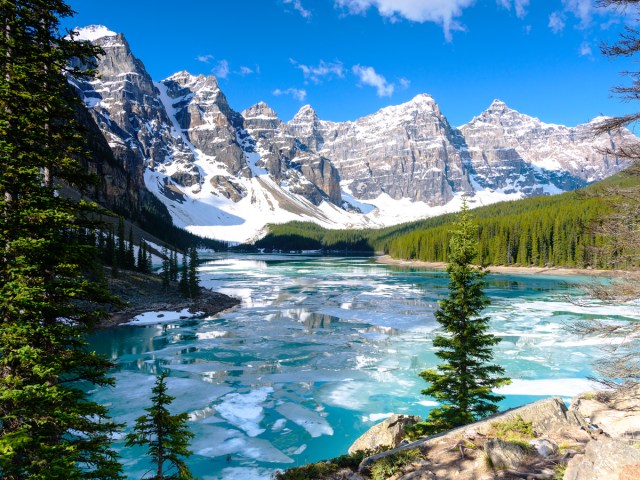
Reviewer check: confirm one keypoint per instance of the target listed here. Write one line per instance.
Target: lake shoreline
(143, 293)
(513, 270)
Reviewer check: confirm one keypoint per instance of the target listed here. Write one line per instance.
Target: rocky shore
(596, 438)
(144, 293)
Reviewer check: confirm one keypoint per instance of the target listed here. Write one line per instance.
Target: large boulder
(504, 455)
(606, 459)
(617, 414)
(388, 433)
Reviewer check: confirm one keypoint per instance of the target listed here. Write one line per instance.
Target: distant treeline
(551, 230)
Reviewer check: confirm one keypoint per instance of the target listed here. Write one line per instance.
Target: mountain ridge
(226, 174)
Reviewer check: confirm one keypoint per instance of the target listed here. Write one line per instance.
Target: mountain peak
(305, 113)
(260, 109)
(498, 106)
(421, 101)
(92, 33)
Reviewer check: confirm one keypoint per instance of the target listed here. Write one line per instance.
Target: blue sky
(349, 58)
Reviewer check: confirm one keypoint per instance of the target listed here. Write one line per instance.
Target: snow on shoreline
(162, 316)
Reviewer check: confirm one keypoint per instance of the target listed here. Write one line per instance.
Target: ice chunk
(311, 421)
(376, 417)
(245, 410)
(218, 442)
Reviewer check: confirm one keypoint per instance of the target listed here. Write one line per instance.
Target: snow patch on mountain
(92, 33)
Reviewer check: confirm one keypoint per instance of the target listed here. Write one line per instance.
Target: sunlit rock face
(211, 165)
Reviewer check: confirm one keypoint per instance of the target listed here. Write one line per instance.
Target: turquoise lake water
(323, 348)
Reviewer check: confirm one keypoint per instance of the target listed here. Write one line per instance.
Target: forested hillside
(556, 230)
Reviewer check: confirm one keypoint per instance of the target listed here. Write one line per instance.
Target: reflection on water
(322, 347)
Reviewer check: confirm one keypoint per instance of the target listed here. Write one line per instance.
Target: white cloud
(297, 6)
(520, 6)
(582, 9)
(323, 70)
(404, 82)
(556, 22)
(441, 12)
(585, 50)
(297, 93)
(204, 58)
(368, 76)
(221, 70)
(245, 71)
(527, 29)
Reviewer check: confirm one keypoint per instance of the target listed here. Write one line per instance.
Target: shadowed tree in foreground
(50, 293)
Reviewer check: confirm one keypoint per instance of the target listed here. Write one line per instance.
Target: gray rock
(388, 433)
(605, 459)
(544, 446)
(504, 454)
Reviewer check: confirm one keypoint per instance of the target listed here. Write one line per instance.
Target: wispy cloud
(368, 76)
(221, 70)
(404, 82)
(297, 93)
(583, 10)
(520, 6)
(585, 50)
(204, 58)
(441, 12)
(556, 22)
(323, 70)
(298, 7)
(246, 71)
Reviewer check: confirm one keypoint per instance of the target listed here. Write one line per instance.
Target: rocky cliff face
(226, 174)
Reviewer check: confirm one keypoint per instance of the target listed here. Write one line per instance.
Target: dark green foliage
(173, 266)
(48, 301)
(183, 284)
(130, 258)
(193, 278)
(551, 231)
(464, 380)
(121, 252)
(166, 436)
(165, 272)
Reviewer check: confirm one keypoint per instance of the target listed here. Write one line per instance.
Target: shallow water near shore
(321, 349)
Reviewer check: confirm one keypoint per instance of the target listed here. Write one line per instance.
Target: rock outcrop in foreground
(597, 438)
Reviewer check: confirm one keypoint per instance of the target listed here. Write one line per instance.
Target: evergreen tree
(48, 426)
(463, 382)
(166, 274)
(194, 279)
(166, 436)
(121, 252)
(131, 258)
(183, 285)
(173, 267)
(142, 262)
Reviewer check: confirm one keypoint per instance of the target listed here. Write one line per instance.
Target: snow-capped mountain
(226, 174)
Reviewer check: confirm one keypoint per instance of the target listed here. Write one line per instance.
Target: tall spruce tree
(166, 436)
(463, 382)
(183, 284)
(48, 426)
(194, 278)
(165, 273)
